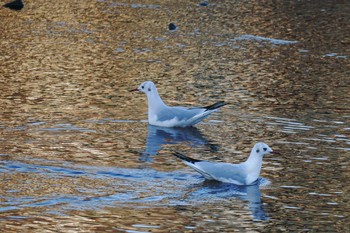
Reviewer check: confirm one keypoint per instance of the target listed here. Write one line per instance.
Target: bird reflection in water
(213, 190)
(159, 136)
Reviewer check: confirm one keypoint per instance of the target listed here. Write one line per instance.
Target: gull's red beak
(275, 152)
(134, 90)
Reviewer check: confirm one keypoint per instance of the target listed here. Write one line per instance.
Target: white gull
(159, 114)
(245, 173)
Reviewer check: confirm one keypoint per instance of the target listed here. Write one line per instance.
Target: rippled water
(77, 154)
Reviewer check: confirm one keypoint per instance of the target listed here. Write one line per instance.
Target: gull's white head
(262, 149)
(146, 87)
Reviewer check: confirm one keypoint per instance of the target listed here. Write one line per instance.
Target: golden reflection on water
(67, 66)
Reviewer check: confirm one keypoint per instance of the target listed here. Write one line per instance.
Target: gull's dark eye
(257, 151)
(265, 149)
(149, 89)
(142, 87)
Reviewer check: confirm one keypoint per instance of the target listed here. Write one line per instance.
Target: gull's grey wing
(225, 172)
(181, 113)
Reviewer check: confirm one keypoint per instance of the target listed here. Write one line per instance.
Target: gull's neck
(253, 166)
(155, 103)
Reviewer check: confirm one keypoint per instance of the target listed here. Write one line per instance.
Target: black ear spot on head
(265, 149)
(149, 89)
(257, 151)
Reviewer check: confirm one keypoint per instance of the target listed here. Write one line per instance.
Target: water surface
(77, 154)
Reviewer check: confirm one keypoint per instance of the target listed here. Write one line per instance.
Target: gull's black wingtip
(216, 105)
(185, 158)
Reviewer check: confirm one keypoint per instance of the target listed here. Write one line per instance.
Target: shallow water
(77, 154)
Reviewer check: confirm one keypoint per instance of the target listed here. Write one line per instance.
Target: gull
(159, 114)
(245, 173)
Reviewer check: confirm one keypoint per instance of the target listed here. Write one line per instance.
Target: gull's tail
(185, 158)
(193, 163)
(215, 106)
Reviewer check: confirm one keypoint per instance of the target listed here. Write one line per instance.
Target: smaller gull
(159, 114)
(245, 173)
